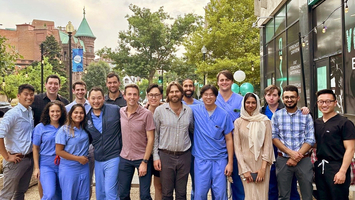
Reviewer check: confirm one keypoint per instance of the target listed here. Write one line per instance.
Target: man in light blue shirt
(79, 90)
(16, 145)
(293, 135)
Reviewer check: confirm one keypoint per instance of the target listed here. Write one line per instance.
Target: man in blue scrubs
(213, 146)
(103, 125)
(230, 102)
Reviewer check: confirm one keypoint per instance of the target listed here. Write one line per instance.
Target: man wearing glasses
(335, 137)
(293, 135)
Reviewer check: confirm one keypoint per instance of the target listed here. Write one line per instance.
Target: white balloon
(239, 76)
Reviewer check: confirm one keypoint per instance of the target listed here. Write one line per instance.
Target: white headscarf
(256, 127)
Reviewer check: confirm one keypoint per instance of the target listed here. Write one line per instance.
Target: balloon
(239, 76)
(245, 88)
(235, 88)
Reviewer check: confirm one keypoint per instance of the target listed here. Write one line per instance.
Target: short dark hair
(97, 88)
(24, 87)
(291, 88)
(45, 119)
(226, 73)
(112, 74)
(131, 86)
(169, 88)
(154, 85)
(271, 88)
(78, 83)
(186, 79)
(207, 87)
(326, 91)
(53, 76)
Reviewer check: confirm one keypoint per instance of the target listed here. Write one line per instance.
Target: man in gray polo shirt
(172, 154)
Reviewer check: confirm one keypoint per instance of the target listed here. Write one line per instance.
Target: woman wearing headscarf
(253, 148)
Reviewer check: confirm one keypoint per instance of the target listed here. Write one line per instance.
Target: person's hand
(36, 173)
(142, 170)
(305, 110)
(290, 162)
(83, 160)
(339, 178)
(296, 156)
(15, 158)
(261, 175)
(157, 165)
(247, 177)
(229, 169)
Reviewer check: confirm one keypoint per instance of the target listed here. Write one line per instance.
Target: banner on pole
(77, 60)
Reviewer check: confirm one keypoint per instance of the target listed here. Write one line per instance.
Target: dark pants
(126, 173)
(304, 173)
(174, 174)
(326, 188)
(237, 185)
(17, 179)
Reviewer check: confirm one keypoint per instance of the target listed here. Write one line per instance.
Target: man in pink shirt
(137, 144)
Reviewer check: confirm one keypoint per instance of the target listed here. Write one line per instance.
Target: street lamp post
(204, 51)
(42, 67)
(70, 29)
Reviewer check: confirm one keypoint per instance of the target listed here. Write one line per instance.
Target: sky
(105, 17)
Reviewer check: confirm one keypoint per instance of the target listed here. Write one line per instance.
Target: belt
(280, 154)
(30, 155)
(175, 153)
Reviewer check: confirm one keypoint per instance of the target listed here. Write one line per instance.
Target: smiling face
(290, 99)
(250, 105)
(188, 88)
(131, 96)
(26, 97)
(154, 97)
(78, 115)
(55, 113)
(96, 100)
(52, 86)
(326, 103)
(79, 91)
(224, 83)
(113, 84)
(174, 94)
(208, 97)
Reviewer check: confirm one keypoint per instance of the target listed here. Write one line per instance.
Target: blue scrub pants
(49, 178)
(106, 177)
(74, 179)
(210, 175)
(127, 168)
(237, 185)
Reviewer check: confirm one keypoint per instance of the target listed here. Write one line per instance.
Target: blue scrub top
(44, 137)
(77, 145)
(232, 106)
(209, 132)
(194, 102)
(97, 121)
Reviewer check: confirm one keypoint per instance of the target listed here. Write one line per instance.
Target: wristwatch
(145, 161)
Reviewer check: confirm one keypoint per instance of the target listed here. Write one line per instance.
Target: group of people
(262, 151)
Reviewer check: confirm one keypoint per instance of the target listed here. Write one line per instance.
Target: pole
(204, 76)
(70, 69)
(42, 68)
(302, 68)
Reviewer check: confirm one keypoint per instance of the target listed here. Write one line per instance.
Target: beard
(175, 99)
(292, 106)
(188, 95)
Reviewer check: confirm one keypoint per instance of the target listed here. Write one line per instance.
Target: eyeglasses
(327, 102)
(153, 95)
(291, 97)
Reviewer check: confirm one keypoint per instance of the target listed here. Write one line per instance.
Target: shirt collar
(45, 96)
(23, 108)
(107, 97)
(138, 111)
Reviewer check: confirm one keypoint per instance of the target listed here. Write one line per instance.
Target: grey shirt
(172, 132)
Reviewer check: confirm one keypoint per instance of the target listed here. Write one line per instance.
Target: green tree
(52, 51)
(231, 41)
(8, 57)
(151, 42)
(96, 75)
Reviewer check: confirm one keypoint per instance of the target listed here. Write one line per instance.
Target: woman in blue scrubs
(72, 145)
(53, 117)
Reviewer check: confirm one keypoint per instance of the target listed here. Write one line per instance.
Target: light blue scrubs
(74, 177)
(210, 151)
(233, 106)
(44, 137)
